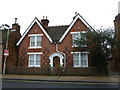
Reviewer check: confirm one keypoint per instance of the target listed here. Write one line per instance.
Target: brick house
(114, 61)
(42, 45)
(14, 36)
(117, 38)
(1, 52)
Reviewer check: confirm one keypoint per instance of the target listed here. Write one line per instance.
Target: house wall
(0, 52)
(14, 36)
(66, 45)
(117, 38)
(117, 33)
(47, 47)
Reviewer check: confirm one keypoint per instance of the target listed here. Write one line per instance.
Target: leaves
(100, 44)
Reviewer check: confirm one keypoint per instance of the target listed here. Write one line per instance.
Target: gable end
(78, 16)
(28, 29)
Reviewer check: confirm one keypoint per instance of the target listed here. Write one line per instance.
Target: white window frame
(73, 44)
(35, 35)
(80, 59)
(87, 60)
(34, 53)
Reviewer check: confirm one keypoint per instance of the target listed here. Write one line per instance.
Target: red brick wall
(117, 38)
(117, 35)
(13, 49)
(25, 44)
(67, 42)
(1, 53)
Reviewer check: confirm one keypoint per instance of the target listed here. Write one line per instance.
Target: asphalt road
(45, 84)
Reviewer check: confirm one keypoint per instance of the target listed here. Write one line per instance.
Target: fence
(53, 71)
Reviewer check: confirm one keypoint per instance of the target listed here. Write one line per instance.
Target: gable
(29, 28)
(77, 17)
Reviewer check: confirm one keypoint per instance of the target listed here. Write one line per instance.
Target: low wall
(53, 71)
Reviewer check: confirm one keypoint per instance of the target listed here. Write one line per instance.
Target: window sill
(80, 67)
(33, 66)
(34, 47)
(84, 67)
(76, 66)
(80, 46)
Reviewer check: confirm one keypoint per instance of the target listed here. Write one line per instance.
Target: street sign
(6, 52)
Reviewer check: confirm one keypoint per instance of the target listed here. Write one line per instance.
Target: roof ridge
(58, 25)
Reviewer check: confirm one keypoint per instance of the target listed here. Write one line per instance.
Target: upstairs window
(35, 40)
(78, 36)
(32, 41)
(38, 41)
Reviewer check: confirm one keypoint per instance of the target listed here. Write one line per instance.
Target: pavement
(105, 79)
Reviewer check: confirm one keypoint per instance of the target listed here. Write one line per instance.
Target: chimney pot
(76, 13)
(15, 20)
(43, 17)
(16, 26)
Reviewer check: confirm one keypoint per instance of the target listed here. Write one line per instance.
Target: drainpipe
(61, 53)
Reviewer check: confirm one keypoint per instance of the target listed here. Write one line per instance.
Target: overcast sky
(60, 12)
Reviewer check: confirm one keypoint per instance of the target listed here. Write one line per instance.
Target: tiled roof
(56, 32)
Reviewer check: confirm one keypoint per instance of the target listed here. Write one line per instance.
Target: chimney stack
(16, 26)
(45, 21)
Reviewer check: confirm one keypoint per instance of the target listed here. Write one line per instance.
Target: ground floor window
(80, 59)
(34, 60)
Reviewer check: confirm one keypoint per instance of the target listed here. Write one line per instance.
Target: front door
(56, 61)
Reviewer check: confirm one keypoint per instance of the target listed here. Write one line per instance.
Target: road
(45, 84)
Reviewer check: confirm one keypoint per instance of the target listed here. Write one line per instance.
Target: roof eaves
(70, 26)
(85, 22)
(26, 31)
(78, 16)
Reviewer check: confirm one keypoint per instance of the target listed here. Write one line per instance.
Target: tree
(100, 43)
